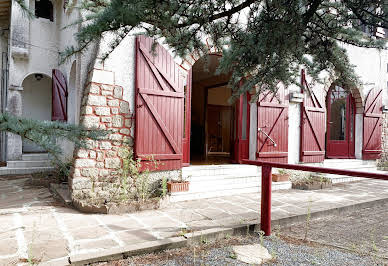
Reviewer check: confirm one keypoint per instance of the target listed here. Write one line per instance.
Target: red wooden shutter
(187, 120)
(159, 106)
(312, 133)
(372, 125)
(272, 125)
(59, 96)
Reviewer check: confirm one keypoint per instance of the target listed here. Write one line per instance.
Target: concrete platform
(35, 227)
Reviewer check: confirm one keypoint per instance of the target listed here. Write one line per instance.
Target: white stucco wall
(35, 48)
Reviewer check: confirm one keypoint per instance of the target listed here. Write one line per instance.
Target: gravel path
(221, 253)
(362, 234)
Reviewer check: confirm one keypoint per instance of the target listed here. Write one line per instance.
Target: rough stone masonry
(95, 169)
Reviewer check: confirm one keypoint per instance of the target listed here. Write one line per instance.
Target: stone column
(96, 168)
(15, 107)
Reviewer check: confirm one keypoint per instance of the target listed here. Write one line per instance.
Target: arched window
(44, 9)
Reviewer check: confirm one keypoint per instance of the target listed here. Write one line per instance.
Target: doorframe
(238, 143)
(350, 101)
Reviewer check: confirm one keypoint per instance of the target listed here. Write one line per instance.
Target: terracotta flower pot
(280, 177)
(178, 186)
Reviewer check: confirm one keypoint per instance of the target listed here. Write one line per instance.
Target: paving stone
(79, 221)
(84, 246)
(88, 232)
(123, 224)
(48, 249)
(135, 236)
(8, 247)
(39, 235)
(10, 261)
(252, 254)
(184, 215)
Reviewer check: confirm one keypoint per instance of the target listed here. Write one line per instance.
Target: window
(44, 9)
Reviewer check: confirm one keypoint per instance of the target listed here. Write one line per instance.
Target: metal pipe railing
(266, 183)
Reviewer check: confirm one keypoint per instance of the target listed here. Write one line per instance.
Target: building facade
(176, 110)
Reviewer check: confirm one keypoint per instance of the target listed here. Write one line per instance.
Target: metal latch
(261, 130)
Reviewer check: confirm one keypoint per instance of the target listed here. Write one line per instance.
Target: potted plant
(179, 185)
(281, 176)
(311, 182)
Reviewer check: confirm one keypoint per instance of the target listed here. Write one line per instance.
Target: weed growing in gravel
(308, 218)
(261, 237)
(204, 240)
(233, 255)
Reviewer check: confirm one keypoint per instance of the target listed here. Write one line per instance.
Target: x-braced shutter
(272, 125)
(312, 134)
(159, 107)
(59, 96)
(372, 125)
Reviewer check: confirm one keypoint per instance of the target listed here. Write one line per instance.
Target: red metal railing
(266, 184)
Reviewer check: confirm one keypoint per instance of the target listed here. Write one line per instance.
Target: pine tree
(263, 42)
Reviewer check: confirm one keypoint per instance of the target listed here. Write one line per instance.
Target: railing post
(266, 182)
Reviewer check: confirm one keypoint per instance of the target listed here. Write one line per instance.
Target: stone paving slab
(33, 225)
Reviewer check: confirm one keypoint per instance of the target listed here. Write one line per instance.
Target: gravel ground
(356, 238)
(286, 251)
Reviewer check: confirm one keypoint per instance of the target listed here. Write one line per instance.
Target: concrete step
(225, 177)
(24, 171)
(35, 157)
(26, 164)
(190, 195)
(213, 170)
(348, 163)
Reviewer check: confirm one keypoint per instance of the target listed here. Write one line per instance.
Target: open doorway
(37, 95)
(212, 116)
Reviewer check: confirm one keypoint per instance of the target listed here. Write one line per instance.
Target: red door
(340, 123)
(372, 125)
(159, 106)
(241, 128)
(272, 127)
(187, 120)
(312, 133)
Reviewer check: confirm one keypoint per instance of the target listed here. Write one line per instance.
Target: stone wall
(96, 168)
(383, 161)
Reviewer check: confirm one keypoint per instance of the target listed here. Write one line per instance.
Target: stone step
(26, 164)
(35, 157)
(346, 163)
(183, 196)
(225, 177)
(24, 171)
(213, 170)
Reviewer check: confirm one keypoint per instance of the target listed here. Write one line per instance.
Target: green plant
(300, 177)
(282, 171)
(63, 169)
(204, 240)
(261, 237)
(134, 181)
(164, 186)
(233, 255)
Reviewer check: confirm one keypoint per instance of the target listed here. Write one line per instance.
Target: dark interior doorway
(212, 116)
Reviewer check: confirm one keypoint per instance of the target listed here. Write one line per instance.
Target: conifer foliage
(47, 133)
(263, 42)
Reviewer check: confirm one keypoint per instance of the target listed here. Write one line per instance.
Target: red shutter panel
(372, 125)
(159, 106)
(312, 133)
(59, 96)
(272, 125)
